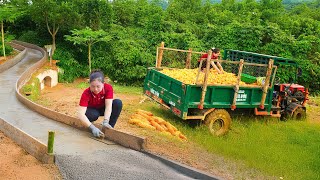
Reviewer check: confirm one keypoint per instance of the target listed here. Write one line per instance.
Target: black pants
(93, 113)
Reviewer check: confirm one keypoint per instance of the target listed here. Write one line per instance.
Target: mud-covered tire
(299, 114)
(218, 122)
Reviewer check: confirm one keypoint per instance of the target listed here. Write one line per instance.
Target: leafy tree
(54, 14)
(88, 37)
(96, 14)
(8, 13)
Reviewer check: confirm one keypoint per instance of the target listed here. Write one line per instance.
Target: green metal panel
(222, 97)
(235, 55)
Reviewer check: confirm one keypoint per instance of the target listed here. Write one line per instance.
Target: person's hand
(106, 124)
(95, 131)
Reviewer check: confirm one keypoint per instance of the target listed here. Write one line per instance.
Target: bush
(9, 50)
(31, 37)
(32, 89)
(69, 68)
(129, 63)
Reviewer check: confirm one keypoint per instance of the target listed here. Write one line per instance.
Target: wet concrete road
(77, 155)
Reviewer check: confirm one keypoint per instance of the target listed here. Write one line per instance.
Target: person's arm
(82, 116)
(85, 121)
(107, 113)
(220, 67)
(215, 67)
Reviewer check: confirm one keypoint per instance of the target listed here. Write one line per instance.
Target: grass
(116, 88)
(282, 149)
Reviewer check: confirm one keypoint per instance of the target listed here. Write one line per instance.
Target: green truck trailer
(212, 103)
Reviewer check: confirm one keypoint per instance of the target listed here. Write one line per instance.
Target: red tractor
(288, 99)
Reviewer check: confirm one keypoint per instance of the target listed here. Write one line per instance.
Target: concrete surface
(77, 155)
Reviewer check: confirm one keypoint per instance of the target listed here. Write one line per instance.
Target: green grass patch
(32, 89)
(127, 89)
(82, 85)
(116, 88)
(283, 149)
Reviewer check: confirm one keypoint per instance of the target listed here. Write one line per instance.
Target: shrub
(9, 50)
(69, 68)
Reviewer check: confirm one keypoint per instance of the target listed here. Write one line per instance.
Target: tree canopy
(287, 28)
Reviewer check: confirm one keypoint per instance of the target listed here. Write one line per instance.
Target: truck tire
(299, 114)
(218, 122)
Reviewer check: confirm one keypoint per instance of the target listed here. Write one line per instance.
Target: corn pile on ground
(146, 119)
(188, 76)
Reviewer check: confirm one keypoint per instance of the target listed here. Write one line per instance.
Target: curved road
(77, 155)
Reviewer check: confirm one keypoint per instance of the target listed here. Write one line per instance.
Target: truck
(212, 103)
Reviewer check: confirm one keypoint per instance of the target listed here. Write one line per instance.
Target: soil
(16, 163)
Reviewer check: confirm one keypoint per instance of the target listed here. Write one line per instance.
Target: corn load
(146, 119)
(188, 76)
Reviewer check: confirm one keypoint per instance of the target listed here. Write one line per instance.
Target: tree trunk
(53, 48)
(4, 48)
(89, 56)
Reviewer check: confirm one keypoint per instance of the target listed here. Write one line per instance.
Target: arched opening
(46, 82)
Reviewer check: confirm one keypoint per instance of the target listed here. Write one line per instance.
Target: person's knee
(92, 116)
(117, 103)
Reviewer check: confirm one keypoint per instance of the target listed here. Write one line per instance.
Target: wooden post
(188, 62)
(236, 88)
(266, 85)
(159, 60)
(2, 37)
(205, 83)
(50, 141)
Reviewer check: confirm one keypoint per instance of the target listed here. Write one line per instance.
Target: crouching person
(97, 100)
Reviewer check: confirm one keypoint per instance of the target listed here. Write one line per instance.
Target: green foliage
(32, 89)
(8, 50)
(31, 37)
(69, 68)
(137, 27)
(129, 57)
(88, 37)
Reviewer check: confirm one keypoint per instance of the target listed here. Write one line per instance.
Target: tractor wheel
(299, 114)
(218, 122)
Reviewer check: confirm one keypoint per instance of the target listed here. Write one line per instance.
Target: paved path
(77, 155)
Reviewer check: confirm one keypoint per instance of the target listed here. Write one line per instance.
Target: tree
(96, 14)
(55, 14)
(88, 37)
(8, 13)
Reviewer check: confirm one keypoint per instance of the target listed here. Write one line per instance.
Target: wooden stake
(236, 88)
(266, 84)
(50, 141)
(205, 84)
(188, 62)
(159, 60)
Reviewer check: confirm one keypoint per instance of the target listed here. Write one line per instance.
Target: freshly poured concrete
(77, 155)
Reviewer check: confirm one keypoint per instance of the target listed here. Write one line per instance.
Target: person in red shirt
(215, 55)
(97, 100)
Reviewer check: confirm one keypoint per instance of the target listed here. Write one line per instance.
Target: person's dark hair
(96, 75)
(215, 50)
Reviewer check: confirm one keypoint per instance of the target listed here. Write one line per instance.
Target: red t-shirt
(213, 56)
(89, 99)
